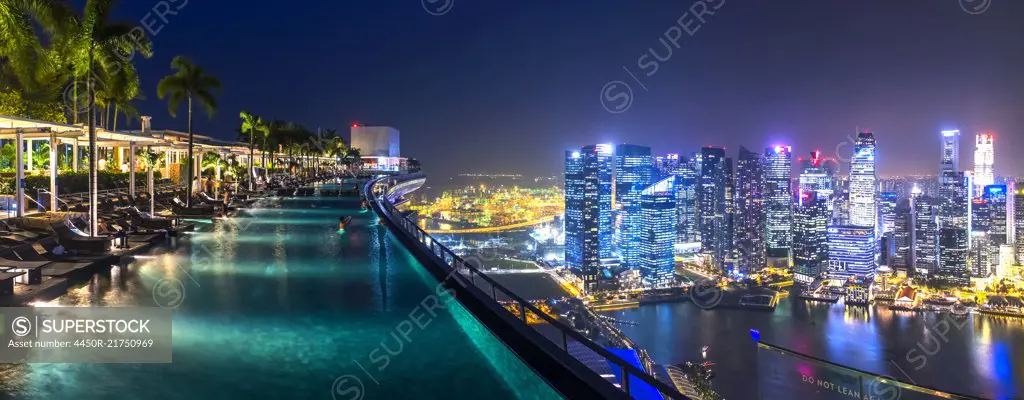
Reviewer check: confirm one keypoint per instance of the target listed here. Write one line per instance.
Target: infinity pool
(284, 305)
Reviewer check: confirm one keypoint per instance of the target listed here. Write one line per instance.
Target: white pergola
(26, 131)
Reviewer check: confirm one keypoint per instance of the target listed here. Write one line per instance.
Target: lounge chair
(76, 241)
(26, 252)
(179, 209)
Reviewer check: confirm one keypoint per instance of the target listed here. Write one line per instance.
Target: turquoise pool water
(283, 305)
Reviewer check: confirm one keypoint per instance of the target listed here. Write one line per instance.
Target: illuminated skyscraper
(687, 179)
(926, 232)
(950, 159)
(953, 256)
(750, 217)
(634, 171)
(984, 161)
(851, 252)
(588, 217)
(810, 245)
(666, 165)
(887, 211)
(953, 190)
(1018, 221)
(817, 174)
(903, 238)
(863, 182)
(714, 178)
(778, 165)
(657, 232)
(996, 197)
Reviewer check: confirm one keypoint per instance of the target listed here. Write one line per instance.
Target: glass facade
(634, 170)
(658, 220)
(926, 232)
(687, 177)
(750, 217)
(862, 181)
(714, 239)
(953, 255)
(588, 211)
(851, 252)
(778, 165)
(984, 160)
(810, 246)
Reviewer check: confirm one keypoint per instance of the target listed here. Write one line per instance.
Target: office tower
(851, 252)
(588, 218)
(984, 160)
(950, 157)
(666, 165)
(686, 201)
(953, 256)
(862, 181)
(887, 211)
(996, 198)
(750, 216)
(903, 237)
(657, 232)
(926, 231)
(810, 246)
(817, 174)
(730, 212)
(778, 165)
(953, 200)
(711, 195)
(633, 172)
(1018, 222)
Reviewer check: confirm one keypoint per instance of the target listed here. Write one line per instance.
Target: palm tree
(268, 129)
(109, 46)
(252, 123)
(188, 82)
(19, 44)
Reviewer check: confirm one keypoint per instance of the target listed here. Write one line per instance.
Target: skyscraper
(953, 191)
(714, 238)
(953, 256)
(984, 161)
(981, 248)
(926, 232)
(666, 165)
(862, 181)
(996, 197)
(903, 238)
(817, 174)
(778, 165)
(810, 245)
(634, 171)
(750, 211)
(1018, 221)
(588, 218)
(950, 158)
(887, 211)
(687, 179)
(657, 232)
(851, 252)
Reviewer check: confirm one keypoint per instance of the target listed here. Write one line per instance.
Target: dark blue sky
(507, 86)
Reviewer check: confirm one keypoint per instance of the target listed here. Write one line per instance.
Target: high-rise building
(926, 232)
(810, 245)
(634, 171)
(657, 232)
(862, 182)
(984, 161)
(953, 200)
(687, 181)
(851, 252)
(887, 211)
(666, 165)
(903, 238)
(817, 174)
(953, 256)
(588, 218)
(996, 198)
(714, 238)
(778, 165)
(1018, 221)
(950, 158)
(750, 216)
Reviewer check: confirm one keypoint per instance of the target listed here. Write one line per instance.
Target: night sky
(507, 86)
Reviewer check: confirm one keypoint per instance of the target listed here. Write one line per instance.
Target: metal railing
(381, 189)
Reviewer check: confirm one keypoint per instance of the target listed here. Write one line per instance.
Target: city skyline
(745, 78)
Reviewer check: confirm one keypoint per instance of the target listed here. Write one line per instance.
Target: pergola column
(74, 156)
(216, 173)
(131, 169)
(19, 178)
(29, 153)
(53, 171)
(149, 183)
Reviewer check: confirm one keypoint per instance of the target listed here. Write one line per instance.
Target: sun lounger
(76, 241)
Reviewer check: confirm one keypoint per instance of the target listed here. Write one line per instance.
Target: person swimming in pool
(343, 221)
